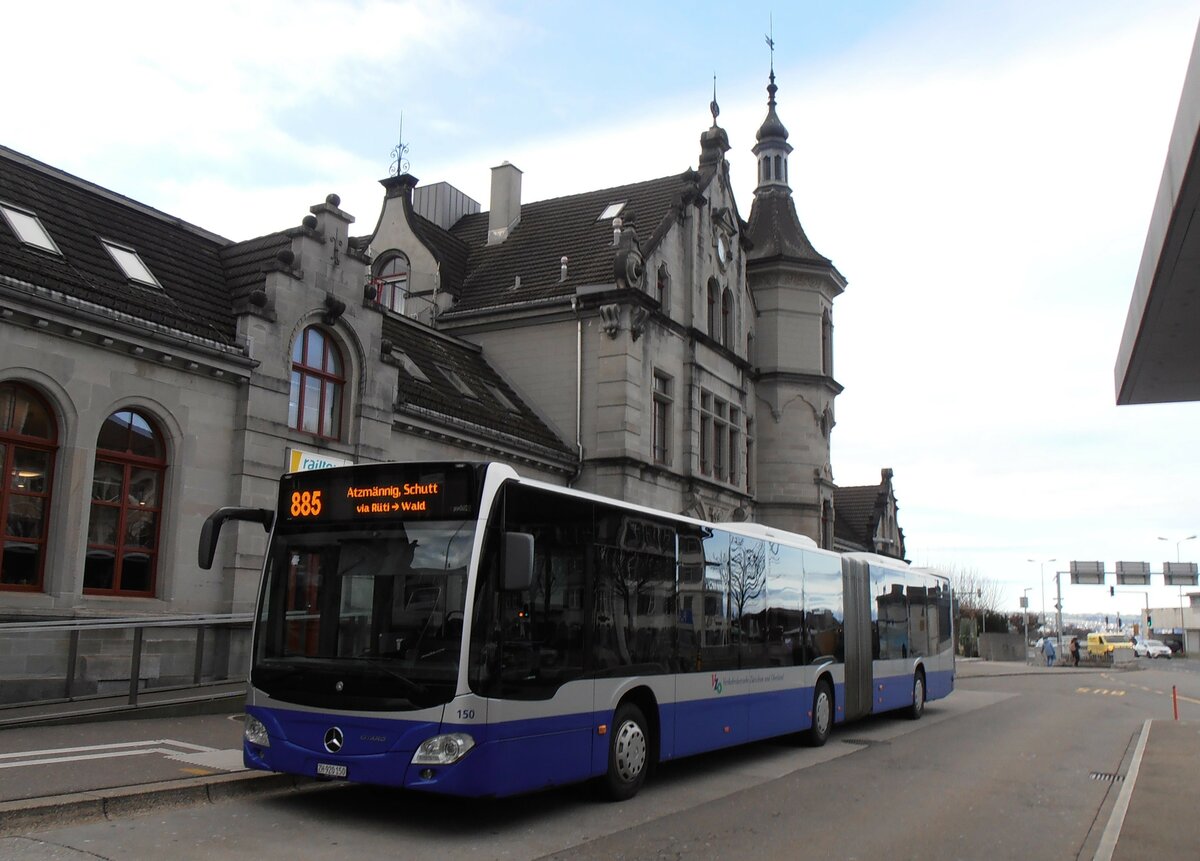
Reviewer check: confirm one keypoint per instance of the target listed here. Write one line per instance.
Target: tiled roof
(247, 263)
(431, 351)
(77, 214)
(857, 512)
(775, 231)
(552, 229)
(451, 252)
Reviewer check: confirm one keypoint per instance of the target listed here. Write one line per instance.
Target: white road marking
(180, 751)
(1112, 831)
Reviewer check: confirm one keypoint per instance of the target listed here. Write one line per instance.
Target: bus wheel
(628, 753)
(822, 715)
(918, 704)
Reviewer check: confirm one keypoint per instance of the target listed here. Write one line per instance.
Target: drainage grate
(1106, 776)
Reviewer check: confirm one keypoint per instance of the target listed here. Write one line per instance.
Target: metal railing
(203, 625)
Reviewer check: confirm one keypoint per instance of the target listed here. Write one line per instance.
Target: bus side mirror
(518, 561)
(211, 530)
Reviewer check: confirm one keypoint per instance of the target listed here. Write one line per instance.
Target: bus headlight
(443, 749)
(255, 732)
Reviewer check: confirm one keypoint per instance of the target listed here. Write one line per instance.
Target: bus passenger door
(856, 585)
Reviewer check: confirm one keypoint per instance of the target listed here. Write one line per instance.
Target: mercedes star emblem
(333, 739)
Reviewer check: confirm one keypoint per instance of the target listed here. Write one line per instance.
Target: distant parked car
(1151, 649)
(1105, 644)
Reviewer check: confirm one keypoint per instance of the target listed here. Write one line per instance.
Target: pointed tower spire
(774, 227)
(714, 143)
(772, 149)
(794, 288)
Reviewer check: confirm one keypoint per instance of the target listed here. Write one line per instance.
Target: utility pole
(1058, 607)
(1025, 616)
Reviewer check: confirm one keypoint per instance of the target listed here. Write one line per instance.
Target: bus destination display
(341, 495)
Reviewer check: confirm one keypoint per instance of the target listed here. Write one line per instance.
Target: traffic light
(1149, 621)
(1112, 591)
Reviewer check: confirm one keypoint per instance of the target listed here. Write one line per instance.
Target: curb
(39, 814)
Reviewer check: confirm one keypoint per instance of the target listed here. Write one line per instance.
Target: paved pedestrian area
(60, 774)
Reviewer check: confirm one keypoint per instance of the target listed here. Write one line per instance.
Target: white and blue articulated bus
(455, 628)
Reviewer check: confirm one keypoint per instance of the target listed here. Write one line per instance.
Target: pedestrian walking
(1048, 650)
(1075, 651)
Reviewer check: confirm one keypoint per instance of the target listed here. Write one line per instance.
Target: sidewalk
(60, 773)
(969, 668)
(56, 775)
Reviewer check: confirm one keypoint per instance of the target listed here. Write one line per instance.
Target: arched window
(727, 318)
(392, 281)
(122, 541)
(662, 287)
(318, 381)
(28, 442)
(827, 343)
(713, 290)
(778, 167)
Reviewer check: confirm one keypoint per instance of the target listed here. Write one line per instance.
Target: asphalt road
(1020, 766)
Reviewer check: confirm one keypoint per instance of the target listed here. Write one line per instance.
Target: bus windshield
(364, 619)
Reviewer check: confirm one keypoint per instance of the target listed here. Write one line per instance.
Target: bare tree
(974, 592)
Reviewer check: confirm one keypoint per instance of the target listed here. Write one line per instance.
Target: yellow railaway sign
(300, 460)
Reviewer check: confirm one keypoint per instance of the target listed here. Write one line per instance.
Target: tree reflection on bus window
(823, 612)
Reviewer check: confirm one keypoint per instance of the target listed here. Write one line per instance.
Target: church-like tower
(794, 287)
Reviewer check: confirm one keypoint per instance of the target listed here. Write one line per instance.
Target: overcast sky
(981, 173)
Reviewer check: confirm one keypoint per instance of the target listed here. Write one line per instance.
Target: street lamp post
(1178, 558)
(1041, 563)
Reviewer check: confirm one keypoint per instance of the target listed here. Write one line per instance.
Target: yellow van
(1106, 644)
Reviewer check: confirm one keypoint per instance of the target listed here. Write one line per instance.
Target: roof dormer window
(611, 211)
(131, 264)
(28, 228)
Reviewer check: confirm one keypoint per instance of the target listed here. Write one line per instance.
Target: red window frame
(16, 491)
(392, 279)
(128, 538)
(330, 380)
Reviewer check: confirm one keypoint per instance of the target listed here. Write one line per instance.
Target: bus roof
(751, 530)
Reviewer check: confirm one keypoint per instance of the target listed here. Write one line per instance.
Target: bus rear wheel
(822, 715)
(628, 753)
(918, 704)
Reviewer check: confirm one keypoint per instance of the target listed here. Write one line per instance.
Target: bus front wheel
(822, 715)
(628, 753)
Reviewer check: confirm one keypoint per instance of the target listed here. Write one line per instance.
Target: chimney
(505, 212)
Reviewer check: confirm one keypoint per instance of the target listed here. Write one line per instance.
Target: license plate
(328, 769)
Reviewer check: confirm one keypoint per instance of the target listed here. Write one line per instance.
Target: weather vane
(399, 151)
(771, 41)
(713, 106)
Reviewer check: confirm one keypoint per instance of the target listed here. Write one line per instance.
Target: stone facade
(643, 342)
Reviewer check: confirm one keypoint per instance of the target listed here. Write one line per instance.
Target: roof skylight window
(410, 367)
(611, 211)
(504, 400)
(457, 382)
(28, 228)
(131, 263)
